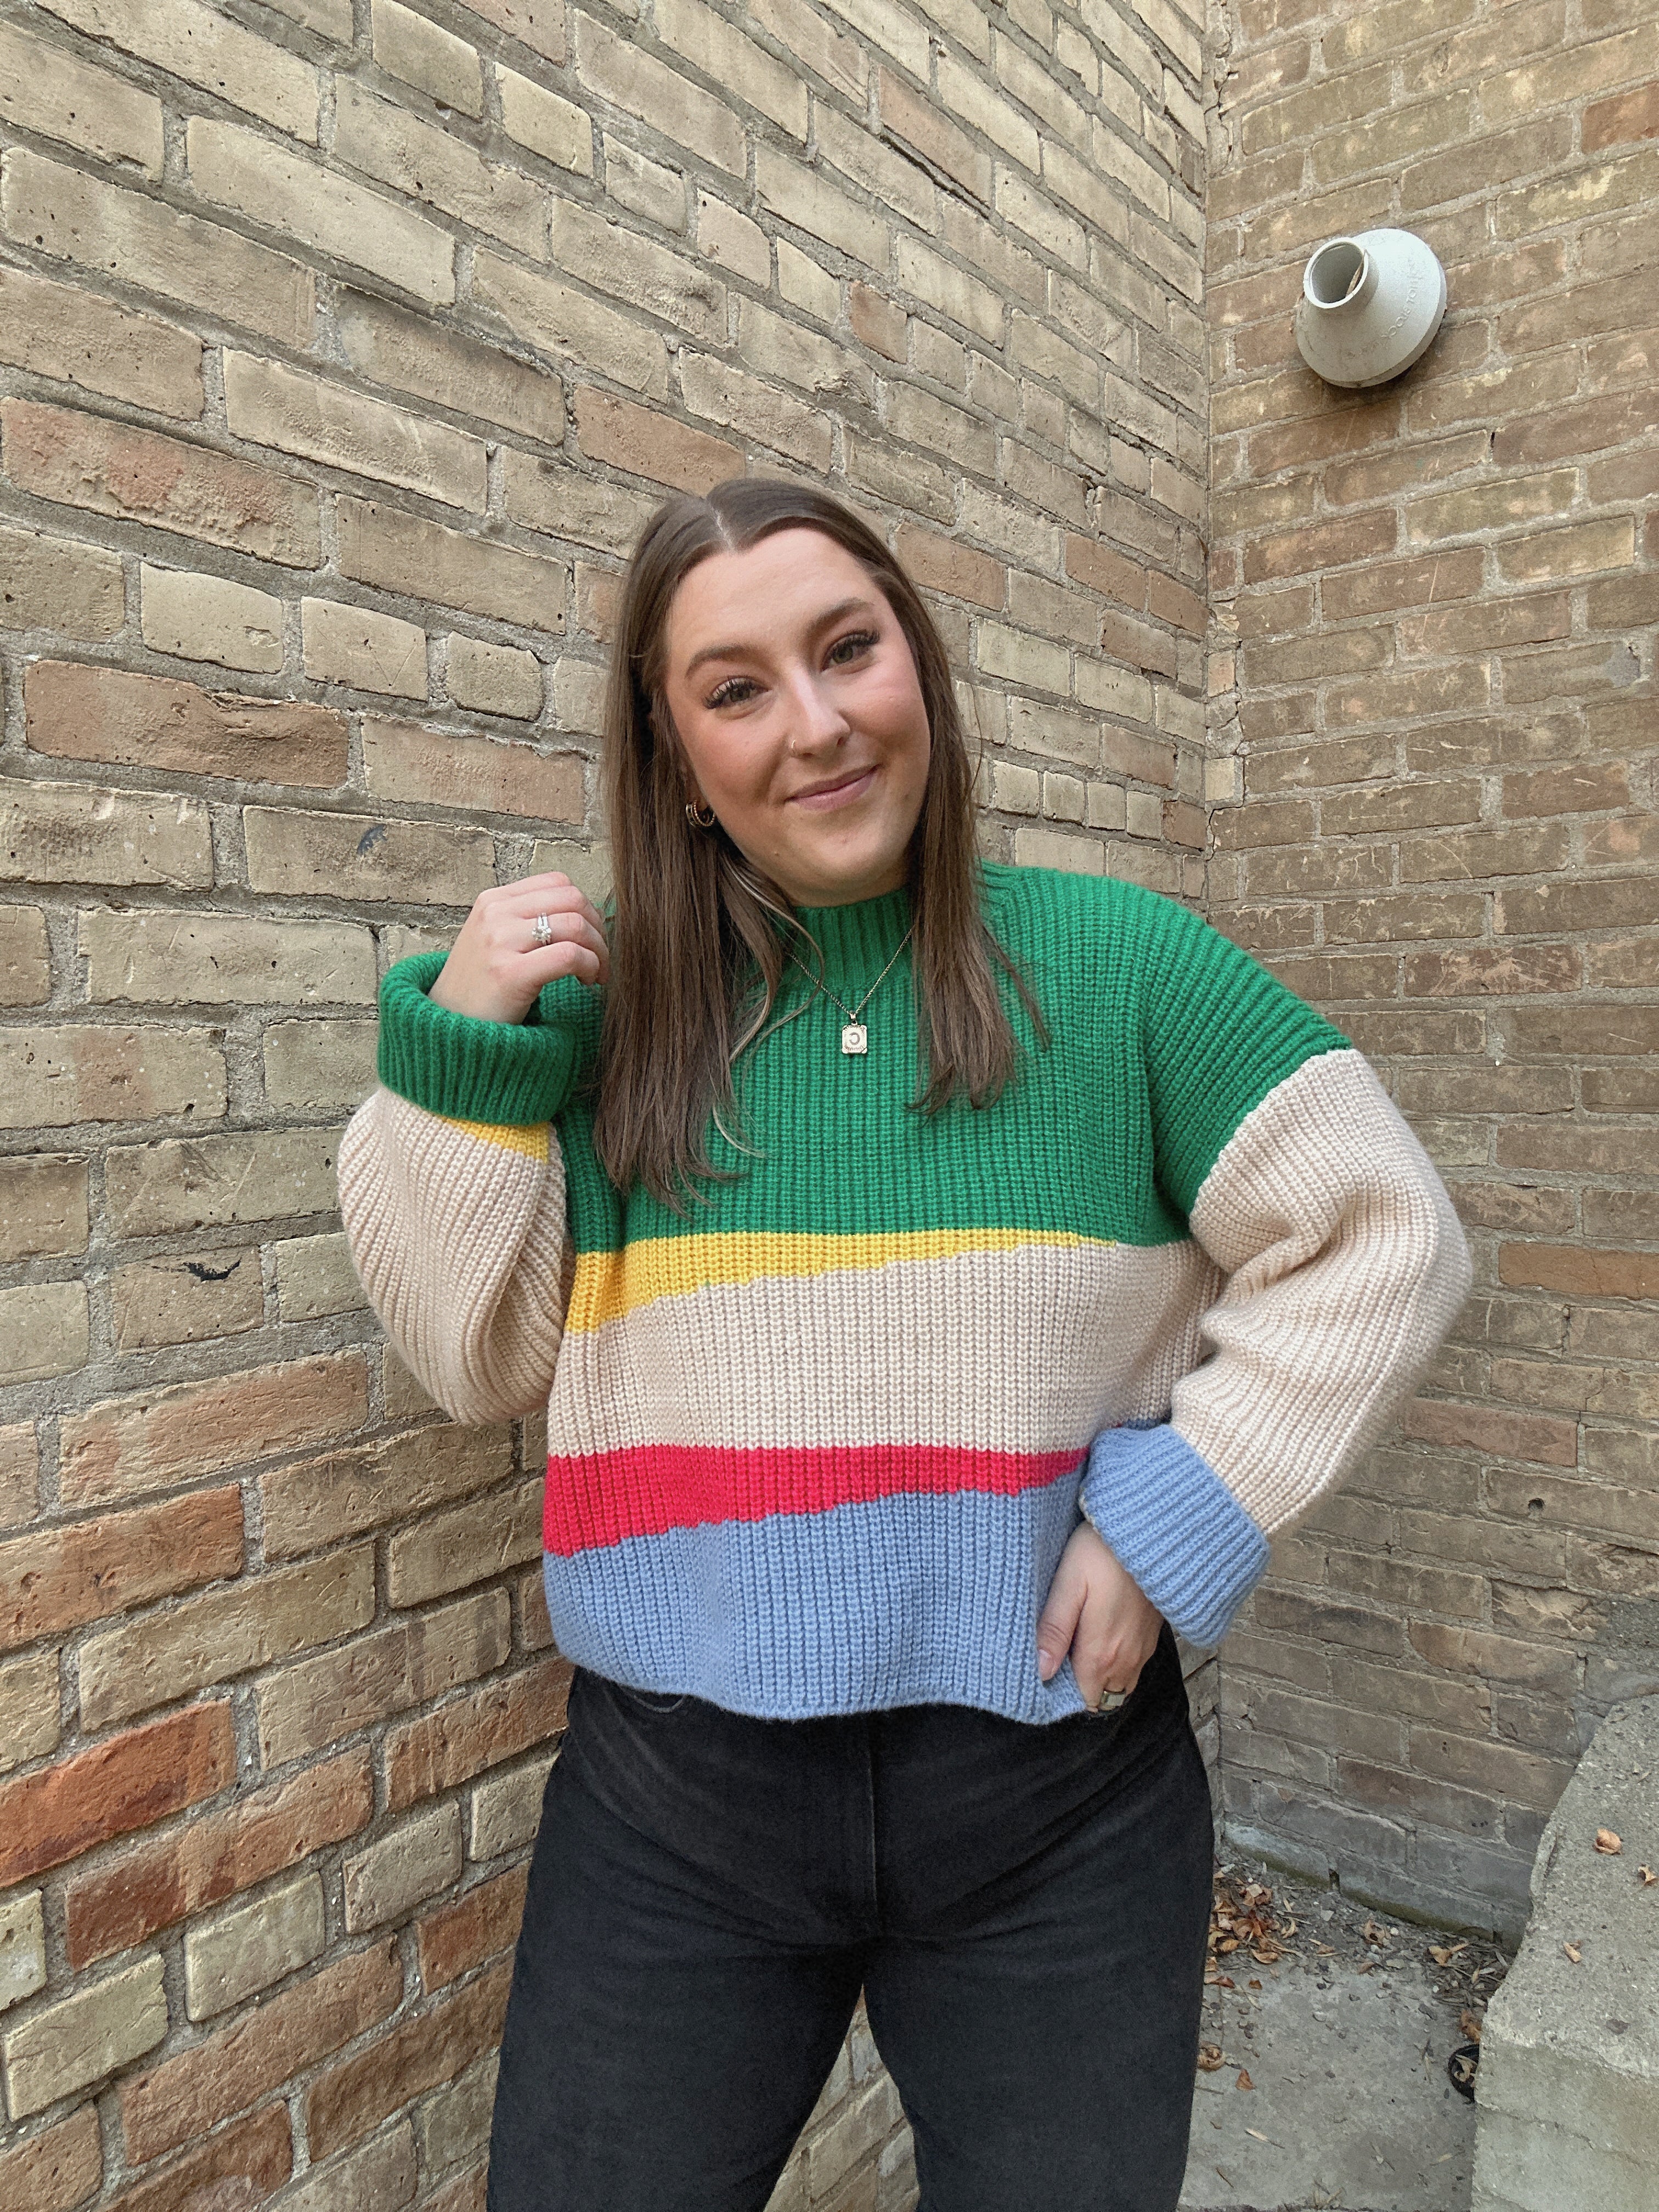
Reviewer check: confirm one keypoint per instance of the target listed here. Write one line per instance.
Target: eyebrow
(822, 622)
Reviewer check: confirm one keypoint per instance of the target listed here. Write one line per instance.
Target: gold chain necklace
(855, 1037)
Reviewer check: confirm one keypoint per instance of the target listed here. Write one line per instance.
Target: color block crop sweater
(817, 1447)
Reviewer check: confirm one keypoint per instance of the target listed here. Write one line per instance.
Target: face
(796, 697)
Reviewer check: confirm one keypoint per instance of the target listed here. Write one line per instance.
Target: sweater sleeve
(452, 1194)
(1343, 1265)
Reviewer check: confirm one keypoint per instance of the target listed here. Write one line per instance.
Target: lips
(840, 791)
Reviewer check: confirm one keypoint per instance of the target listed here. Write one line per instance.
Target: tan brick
(53, 1077)
(377, 2177)
(651, 445)
(59, 2167)
(403, 761)
(315, 1276)
(187, 2095)
(557, 129)
(731, 241)
(386, 344)
(557, 319)
(20, 1473)
(435, 1751)
(145, 243)
(401, 1869)
(245, 1949)
(448, 1551)
(187, 1301)
(64, 2046)
(210, 619)
(73, 833)
(62, 1576)
(312, 1065)
(25, 959)
(744, 72)
(183, 959)
(403, 553)
(49, 583)
(58, 95)
(254, 177)
(364, 650)
(319, 1501)
(620, 71)
(43, 1206)
(833, 57)
(125, 1446)
(23, 1947)
(431, 2046)
(424, 55)
(316, 1702)
(29, 1725)
(191, 41)
(496, 679)
(723, 394)
(274, 405)
(565, 502)
(75, 336)
(330, 19)
(800, 197)
(253, 1622)
(212, 1183)
(1608, 542)
(538, 24)
(1387, 586)
(112, 468)
(418, 159)
(151, 722)
(354, 856)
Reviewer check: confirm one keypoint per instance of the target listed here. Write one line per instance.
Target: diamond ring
(544, 929)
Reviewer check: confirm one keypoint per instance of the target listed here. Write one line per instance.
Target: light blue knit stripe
(1176, 1526)
(904, 1600)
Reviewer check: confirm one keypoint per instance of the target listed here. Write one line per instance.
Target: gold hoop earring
(699, 819)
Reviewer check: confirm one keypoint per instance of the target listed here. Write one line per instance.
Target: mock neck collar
(856, 938)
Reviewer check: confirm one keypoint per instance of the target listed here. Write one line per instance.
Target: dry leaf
(1574, 1953)
(1255, 1982)
(1443, 1954)
(1470, 2023)
(1607, 1843)
(1244, 2081)
(1210, 2057)
(1646, 1874)
(1230, 1944)
(1258, 2135)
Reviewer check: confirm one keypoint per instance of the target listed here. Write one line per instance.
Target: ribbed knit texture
(817, 1446)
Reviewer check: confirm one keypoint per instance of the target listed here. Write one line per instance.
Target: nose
(817, 722)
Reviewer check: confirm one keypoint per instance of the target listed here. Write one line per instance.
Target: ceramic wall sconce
(1370, 306)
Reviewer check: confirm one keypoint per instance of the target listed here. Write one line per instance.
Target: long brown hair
(700, 936)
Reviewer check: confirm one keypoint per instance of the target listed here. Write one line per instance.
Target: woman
(944, 1277)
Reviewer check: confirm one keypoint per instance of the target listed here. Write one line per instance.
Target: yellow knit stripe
(609, 1285)
(532, 1140)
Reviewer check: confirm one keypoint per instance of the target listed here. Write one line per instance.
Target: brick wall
(343, 349)
(1434, 780)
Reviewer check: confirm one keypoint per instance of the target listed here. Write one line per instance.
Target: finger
(566, 929)
(1058, 1624)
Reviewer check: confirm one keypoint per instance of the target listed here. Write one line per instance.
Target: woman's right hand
(497, 967)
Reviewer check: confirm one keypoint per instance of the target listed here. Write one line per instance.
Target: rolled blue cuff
(1176, 1526)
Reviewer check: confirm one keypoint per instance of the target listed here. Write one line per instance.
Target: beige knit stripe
(1323, 1178)
(1032, 1350)
(459, 1242)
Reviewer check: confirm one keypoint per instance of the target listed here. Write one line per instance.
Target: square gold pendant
(855, 1038)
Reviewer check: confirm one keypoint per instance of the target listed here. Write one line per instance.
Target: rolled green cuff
(510, 1074)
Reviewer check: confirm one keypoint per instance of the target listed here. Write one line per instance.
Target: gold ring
(1109, 1701)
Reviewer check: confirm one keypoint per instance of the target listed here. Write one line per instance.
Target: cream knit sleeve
(458, 1232)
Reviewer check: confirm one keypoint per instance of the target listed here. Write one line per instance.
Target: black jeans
(1024, 1906)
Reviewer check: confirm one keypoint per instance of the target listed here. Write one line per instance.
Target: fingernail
(1048, 1662)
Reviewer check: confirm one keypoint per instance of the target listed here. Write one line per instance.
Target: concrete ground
(1331, 2089)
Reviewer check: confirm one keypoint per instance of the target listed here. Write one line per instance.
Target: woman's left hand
(1098, 1612)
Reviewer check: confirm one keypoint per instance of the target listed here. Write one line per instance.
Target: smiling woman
(941, 1279)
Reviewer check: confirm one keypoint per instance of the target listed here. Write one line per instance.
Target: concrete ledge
(1568, 2088)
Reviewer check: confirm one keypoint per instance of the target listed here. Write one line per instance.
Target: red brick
(460, 1936)
(469, 1733)
(1367, 537)
(464, 2194)
(939, 563)
(240, 2167)
(1616, 122)
(58, 1577)
(1171, 602)
(130, 1781)
(1586, 1032)
(1535, 1437)
(1102, 569)
(59, 2167)
(156, 1884)
(277, 2040)
(1385, 587)
(1577, 790)
(431, 2047)
(151, 722)
(649, 444)
(1492, 970)
(171, 1435)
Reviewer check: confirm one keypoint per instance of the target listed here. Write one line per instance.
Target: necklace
(855, 1037)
